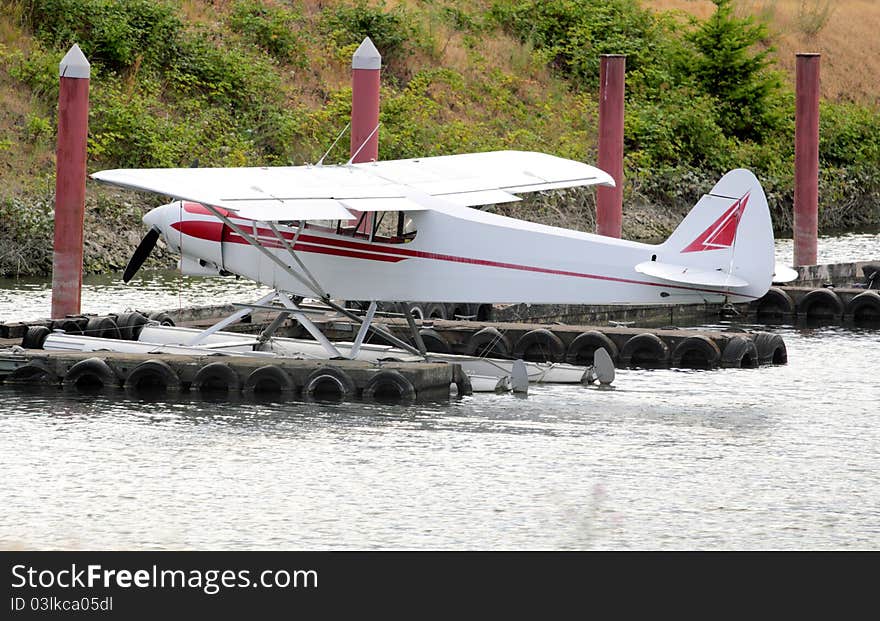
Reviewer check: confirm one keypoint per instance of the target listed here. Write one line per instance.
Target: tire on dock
(152, 376)
(69, 325)
(434, 341)
(820, 305)
(457, 311)
(484, 312)
(696, 352)
(585, 344)
(540, 345)
(216, 377)
(865, 308)
(435, 310)
(771, 348)
(35, 337)
(389, 386)
(130, 325)
(34, 372)
(91, 375)
(488, 342)
(102, 327)
(329, 383)
(740, 353)
(775, 304)
(645, 350)
(162, 318)
(269, 380)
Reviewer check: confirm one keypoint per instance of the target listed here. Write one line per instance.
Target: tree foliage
(728, 68)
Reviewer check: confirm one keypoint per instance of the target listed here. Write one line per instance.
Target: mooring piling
(806, 160)
(609, 201)
(366, 64)
(70, 182)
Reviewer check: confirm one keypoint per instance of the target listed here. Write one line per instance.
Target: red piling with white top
(609, 201)
(70, 183)
(806, 160)
(366, 64)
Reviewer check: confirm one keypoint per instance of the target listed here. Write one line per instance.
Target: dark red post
(806, 161)
(366, 64)
(609, 201)
(70, 183)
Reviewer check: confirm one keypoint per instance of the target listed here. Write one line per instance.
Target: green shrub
(572, 34)
(272, 28)
(849, 134)
(390, 31)
(39, 71)
(38, 127)
(114, 33)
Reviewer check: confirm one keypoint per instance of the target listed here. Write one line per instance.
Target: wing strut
(290, 249)
(324, 297)
(271, 256)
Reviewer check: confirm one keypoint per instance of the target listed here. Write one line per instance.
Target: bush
(572, 34)
(849, 134)
(390, 31)
(272, 28)
(114, 33)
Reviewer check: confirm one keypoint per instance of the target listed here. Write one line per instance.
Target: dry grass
(848, 40)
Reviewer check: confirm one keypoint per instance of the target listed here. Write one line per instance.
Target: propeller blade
(140, 254)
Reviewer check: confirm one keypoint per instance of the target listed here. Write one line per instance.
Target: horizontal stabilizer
(689, 275)
(783, 273)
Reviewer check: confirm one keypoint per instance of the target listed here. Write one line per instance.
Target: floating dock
(572, 344)
(256, 376)
(535, 333)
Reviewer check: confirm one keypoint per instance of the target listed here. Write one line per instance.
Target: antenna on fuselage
(345, 129)
(363, 144)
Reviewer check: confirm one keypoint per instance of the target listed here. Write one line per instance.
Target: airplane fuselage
(464, 255)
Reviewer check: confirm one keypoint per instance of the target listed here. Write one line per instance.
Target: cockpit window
(388, 227)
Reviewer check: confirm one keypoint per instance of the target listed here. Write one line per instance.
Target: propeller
(140, 254)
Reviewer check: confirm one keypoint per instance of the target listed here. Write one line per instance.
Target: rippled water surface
(780, 458)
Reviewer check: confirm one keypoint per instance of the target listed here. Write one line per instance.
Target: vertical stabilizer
(728, 232)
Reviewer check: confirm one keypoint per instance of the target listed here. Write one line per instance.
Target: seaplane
(417, 230)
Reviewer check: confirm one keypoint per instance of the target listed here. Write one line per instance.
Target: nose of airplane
(158, 217)
(154, 218)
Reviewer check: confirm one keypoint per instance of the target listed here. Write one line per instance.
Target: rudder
(728, 231)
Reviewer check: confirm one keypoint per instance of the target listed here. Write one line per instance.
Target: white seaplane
(410, 231)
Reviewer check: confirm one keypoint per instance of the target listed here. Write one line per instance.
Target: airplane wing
(690, 276)
(328, 192)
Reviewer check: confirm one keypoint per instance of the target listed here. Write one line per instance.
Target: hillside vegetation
(236, 82)
(843, 31)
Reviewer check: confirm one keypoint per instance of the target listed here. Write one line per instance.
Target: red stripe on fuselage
(202, 229)
(355, 249)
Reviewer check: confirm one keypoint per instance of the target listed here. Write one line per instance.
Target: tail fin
(727, 236)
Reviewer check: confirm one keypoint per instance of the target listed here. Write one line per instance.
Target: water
(31, 298)
(837, 249)
(780, 458)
